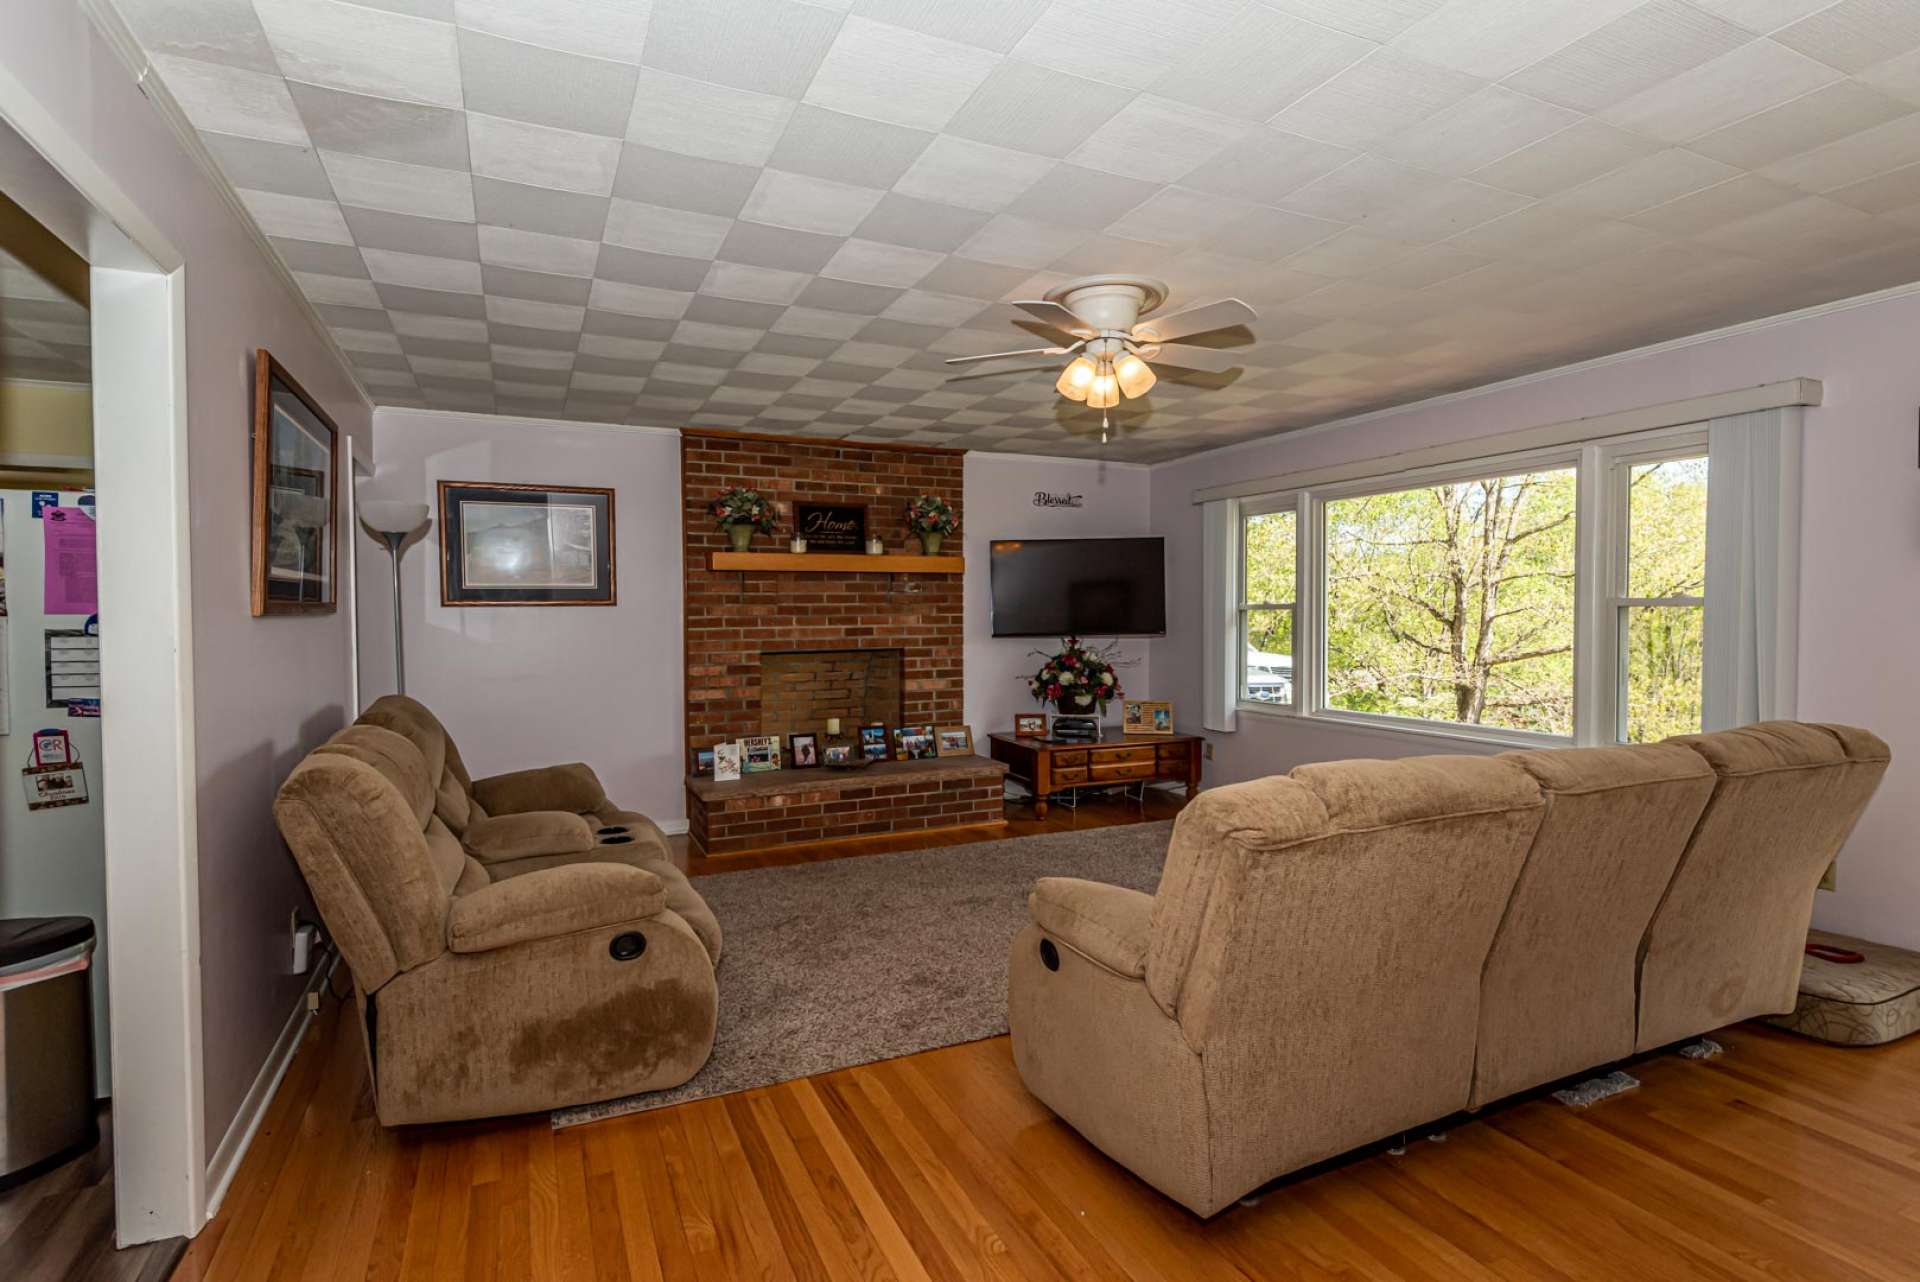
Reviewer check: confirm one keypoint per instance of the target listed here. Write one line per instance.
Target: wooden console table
(1051, 766)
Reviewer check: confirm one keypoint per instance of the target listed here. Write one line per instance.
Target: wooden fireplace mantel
(836, 563)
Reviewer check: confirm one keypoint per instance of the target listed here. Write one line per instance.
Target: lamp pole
(391, 523)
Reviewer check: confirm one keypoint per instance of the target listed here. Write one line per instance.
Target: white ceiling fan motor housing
(1109, 304)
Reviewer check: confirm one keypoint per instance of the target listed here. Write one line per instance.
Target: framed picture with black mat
(504, 544)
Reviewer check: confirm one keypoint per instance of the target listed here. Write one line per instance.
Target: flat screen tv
(1079, 587)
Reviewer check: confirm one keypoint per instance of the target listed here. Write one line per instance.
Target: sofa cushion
(535, 832)
(1106, 924)
(393, 756)
(558, 901)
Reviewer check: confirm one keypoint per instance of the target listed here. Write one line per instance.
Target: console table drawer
(1069, 774)
(1174, 754)
(1123, 756)
(1071, 757)
(1110, 772)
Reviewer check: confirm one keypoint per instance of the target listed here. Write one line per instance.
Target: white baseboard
(672, 827)
(225, 1163)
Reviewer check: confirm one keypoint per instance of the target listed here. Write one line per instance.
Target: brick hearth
(734, 619)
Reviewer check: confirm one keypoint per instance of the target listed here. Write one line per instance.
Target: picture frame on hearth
(1030, 725)
(803, 750)
(759, 753)
(954, 741)
(700, 762)
(838, 756)
(914, 743)
(873, 741)
(726, 761)
(513, 544)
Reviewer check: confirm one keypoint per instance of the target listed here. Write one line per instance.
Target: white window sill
(1403, 729)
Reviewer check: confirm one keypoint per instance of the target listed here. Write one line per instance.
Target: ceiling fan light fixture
(1136, 378)
(1104, 394)
(1077, 379)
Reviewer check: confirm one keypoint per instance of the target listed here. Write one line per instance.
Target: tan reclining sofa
(542, 963)
(1346, 952)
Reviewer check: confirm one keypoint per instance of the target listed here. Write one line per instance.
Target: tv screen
(1079, 587)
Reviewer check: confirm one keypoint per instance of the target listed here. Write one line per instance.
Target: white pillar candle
(833, 725)
(797, 544)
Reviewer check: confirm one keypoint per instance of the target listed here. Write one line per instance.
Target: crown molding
(113, 28)
(1818, 310)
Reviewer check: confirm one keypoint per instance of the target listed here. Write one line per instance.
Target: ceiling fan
(1103, 315)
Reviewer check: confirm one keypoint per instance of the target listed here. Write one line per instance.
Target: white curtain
(1753, 567)
(1220, 617)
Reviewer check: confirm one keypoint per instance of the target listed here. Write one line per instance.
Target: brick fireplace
(775, 651)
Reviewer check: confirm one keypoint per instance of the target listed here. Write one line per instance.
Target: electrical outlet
(1206, 750)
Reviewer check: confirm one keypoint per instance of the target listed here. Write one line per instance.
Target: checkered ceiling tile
(778, 215)
(44, 335)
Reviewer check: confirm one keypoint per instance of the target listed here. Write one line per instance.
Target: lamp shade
(1076, 379)
(393, 516)
(1134, 376)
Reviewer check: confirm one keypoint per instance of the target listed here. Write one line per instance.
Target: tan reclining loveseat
(484, 988)
(1360, 947)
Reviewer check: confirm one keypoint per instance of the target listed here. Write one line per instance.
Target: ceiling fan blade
(1057, 316)
(1195, 320)
(1025, 351)
(1186, 356)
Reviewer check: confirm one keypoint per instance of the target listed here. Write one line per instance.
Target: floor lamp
(391, 521)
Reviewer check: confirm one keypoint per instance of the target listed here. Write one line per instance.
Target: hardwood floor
(1782, 1159)
(59, 1225)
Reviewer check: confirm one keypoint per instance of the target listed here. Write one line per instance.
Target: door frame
(148, 772)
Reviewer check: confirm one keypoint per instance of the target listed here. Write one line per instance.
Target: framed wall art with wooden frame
(295, 456)
(504, 544)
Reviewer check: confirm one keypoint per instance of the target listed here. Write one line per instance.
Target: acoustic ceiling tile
(641, 267)
(270, 166)
(1478, 130)
(1131, 45)
(1021, 242)
(1715, 206)
(1175, 216)
(900, 219)
(752, 284)
(1087, 198)
(665, 231)
(892, 74)
(989, 24)
(1852, 159)
(1855, 34)
(759, 245)
(222, 31)
(1631, 54)
(1495, 38)
(1762, 16)
(1382, 95)
(558, 213)
(863, 301)
(297, 217)
(419, 271)
(1665, 175)
(808, 204)
(693, 118)
(767, 46)
(676, 181)
(613, 29)
(349, 46)
(1810, 121)
(639, 300)
(1269, 233)
(1260, 61)
(470, 329)
(1888, 193)
(848, 149)
(545, 86)
(313, 256)
(1157, 139)
(921, 308)
(813, 322)
(1754, 77)
(727, 338)
(1898, 77)
(388, 185)
(1369, 184)
(1036, 109)
(540, 156)
(413, 132)
(232, 100)
(876, 263)
(971, 175)
(346, 290)
(1566, 159)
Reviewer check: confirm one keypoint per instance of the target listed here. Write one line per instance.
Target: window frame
(1600, 523)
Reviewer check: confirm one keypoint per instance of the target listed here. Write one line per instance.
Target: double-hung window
(1553, 597)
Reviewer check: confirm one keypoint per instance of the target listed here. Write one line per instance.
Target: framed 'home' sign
(831, 527)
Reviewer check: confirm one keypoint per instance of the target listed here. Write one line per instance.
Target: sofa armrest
(1106, 924)
(555, 901)
(573, 787)
(526, 835)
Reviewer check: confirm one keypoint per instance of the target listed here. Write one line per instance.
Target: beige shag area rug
(846, 962)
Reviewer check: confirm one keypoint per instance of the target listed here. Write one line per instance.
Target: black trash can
(46, 1044)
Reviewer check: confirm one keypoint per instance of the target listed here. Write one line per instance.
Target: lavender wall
(1860, 554)
(529, 686)
(1000, 490)
(265, 690)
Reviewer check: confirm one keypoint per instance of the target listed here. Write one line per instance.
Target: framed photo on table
(1146, 716)
(1030, 725)
(504, 544)
(295, 470)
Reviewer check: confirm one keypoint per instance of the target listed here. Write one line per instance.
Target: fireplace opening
(801, 690)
